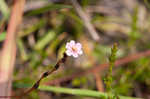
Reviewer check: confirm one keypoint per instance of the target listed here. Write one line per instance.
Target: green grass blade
(45, 40)
(4, 9)
(48, 8)
(72, 91)
(2, 36)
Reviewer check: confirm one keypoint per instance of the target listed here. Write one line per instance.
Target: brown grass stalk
(99, 82)
(8, 52)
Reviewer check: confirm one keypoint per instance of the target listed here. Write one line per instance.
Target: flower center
(74, 49)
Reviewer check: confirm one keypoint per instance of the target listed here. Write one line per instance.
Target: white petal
(80, 52)
(68, 46)
(75, 55)
(78, 45)
(72, 43)
(68, 52)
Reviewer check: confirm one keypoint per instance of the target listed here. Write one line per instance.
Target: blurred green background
(48, 24)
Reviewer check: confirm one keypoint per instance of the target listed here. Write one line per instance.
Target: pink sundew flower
(73, 49)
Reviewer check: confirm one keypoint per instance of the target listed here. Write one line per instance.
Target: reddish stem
(101, 67)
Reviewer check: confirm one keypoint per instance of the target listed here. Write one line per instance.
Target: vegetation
(115, 41)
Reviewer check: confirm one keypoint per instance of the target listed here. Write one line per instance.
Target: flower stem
(112, 59)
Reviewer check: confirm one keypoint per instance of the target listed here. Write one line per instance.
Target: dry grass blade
(86, 19)
(8, 53)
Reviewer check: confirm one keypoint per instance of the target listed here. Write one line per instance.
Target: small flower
(74, 49)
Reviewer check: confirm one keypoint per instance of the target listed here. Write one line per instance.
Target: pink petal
(68, 46)
(75, 55)
(80, 52)
(78, 45)
(72, 43)
(68, 52)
